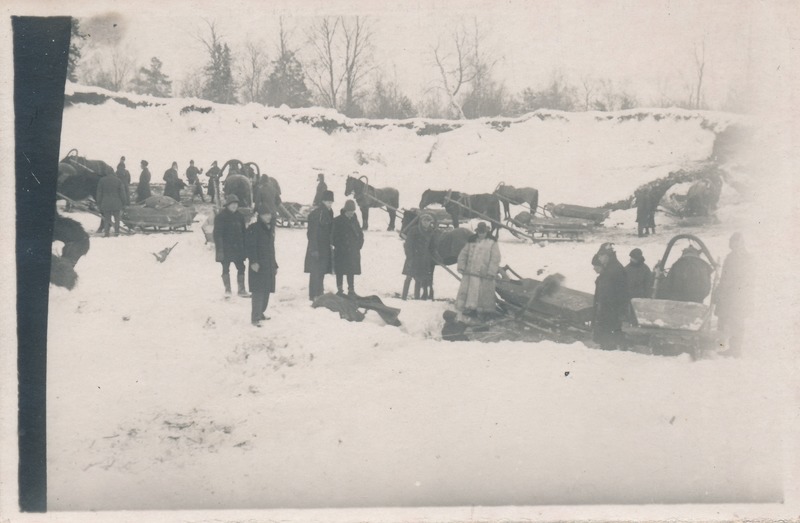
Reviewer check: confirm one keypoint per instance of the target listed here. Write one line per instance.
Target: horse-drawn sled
(158, 213)
(675, 320)
(291, 214)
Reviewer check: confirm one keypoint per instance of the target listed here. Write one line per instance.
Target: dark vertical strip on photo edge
(41, 46)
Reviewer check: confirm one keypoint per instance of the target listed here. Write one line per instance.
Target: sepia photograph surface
(432, 261)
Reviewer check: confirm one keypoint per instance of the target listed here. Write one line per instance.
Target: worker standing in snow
(173, 183)
(229, 232)
(321, 188)
(143, 188)
(260, 247)
(319, 256)
(478, 262)
(348, 238)
(734, 294)
(611, 299)
(213, 174)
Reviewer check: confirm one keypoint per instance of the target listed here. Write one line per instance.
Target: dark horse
(465, 206)
(517, 195)
(444, 248)
(78, 177)
(368, 196)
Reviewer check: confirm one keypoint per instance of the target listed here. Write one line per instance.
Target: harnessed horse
(367, 196)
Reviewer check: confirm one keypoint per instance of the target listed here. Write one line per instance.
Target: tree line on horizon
(336, 69)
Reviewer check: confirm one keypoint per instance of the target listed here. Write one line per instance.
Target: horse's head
(349, 186)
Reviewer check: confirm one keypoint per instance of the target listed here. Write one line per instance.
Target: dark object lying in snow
(348, 307)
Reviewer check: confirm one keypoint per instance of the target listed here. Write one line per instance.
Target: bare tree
(325, 76)
(110, 69)
(357, 60)
(589, 86)
(700, 65)
(456, 67)
(253, 72)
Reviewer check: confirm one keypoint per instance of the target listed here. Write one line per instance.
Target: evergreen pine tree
(75, 39)
(152, 81)
(286, 84)
(219, 86)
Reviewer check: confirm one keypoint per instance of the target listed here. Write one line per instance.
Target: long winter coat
(229, 231)
(348, 238)
(143, 191)
(734, 295)
(419, 261)
(639, 279)
(268, 191)
(191, 174)
(478, 262)
(260, 247)
(610, 297)
(213, 179)
(174, 184)
(321, 188)
(110, 193)
(319, 234)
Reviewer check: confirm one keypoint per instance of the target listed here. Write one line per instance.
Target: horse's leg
(364, 218)
(406, 286)
(392, 215)
(506, 209)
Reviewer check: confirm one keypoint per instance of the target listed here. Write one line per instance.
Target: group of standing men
(334, 245)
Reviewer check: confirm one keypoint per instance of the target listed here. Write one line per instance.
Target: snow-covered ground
(161, 395)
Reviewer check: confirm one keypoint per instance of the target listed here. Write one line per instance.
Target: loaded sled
(159, 213)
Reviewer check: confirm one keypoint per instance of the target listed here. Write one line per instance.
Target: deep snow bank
(547, 150)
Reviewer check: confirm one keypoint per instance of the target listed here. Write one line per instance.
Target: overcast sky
(643, 46)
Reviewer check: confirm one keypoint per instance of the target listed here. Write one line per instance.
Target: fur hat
(231, 198)
(327, 196)
(482, 227)
(637, 255)
(606, 248)
(349, 205)
(144, 163)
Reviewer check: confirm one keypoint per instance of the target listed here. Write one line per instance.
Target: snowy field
(161, 395)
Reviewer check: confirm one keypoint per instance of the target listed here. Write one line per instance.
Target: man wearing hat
(125, 178)
(321, 188)
(229, 232)
(173, 183)
(110, 198)
(478, 262)
(143, 188)
(734, 295)
(213, 174)
(260, 247)
(319, 259)
(638, 276)
(348, 238)
(611, 299)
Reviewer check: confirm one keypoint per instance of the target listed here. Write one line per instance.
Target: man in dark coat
(321, 188)
(610, 299)
(348, 238)
(638, 276)
(260, 247)
(419, 262)
(229, 232)
(267, 191)
(645, 212)
(191, 173)
(143, 188)
(213, 174)
(734, 294)
(319, 259)
(173, 183)
(689, 278)
(125, 177)
(110, 200)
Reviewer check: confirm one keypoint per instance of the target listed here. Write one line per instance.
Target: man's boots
(240, 283)
(226, 279)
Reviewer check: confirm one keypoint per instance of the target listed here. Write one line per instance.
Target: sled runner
(291, 214)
